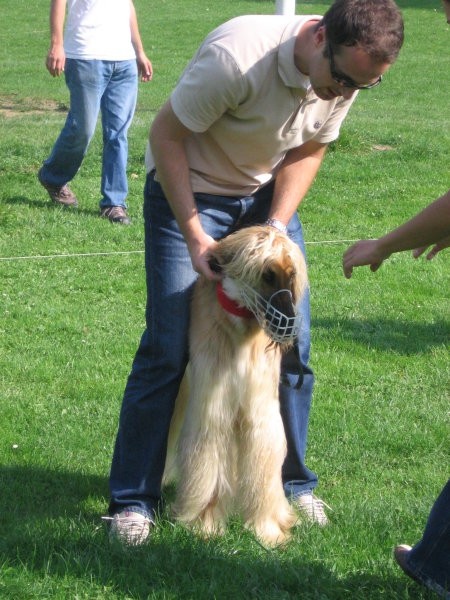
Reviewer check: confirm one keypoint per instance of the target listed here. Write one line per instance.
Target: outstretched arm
(430, 226)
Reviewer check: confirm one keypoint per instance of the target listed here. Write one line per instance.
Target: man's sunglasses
(345, 80)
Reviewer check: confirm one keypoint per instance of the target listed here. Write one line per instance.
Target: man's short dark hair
(374, 25)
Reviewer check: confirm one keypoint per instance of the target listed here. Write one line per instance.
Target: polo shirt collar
(287, 70)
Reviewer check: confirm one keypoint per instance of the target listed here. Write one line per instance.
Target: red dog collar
(230, 305)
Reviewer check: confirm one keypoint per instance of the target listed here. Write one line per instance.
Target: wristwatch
(277, 224)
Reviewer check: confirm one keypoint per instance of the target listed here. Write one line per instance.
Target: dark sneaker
(401, 555)
(59, 195)
(116, 214)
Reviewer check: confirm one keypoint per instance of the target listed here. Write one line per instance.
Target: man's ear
(320, 36)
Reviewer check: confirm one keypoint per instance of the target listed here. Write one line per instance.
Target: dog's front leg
(205, 457)
(262, 452)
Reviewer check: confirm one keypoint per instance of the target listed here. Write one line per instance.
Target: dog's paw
(270, 533)
(210, 522)
(207, 531)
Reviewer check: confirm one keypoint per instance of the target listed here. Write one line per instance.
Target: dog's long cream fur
(226, 433)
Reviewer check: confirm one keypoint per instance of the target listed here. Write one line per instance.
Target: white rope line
(125, 252)
(331, 242)
(75, 255)
(32, 32)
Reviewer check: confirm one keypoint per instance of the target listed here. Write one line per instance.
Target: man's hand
(364, 252)
(370, 252)
(56, 60)
(145, 67)
(202, 251)
(441, 245)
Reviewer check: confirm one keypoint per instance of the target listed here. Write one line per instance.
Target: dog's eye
(269, 277)
(214, 265)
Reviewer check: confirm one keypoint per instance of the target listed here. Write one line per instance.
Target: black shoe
(401, 554)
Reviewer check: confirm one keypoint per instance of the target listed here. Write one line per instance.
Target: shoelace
(114, 211)
(65, 192)
(315, 508)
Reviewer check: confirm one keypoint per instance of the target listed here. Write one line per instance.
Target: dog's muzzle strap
(293, 365)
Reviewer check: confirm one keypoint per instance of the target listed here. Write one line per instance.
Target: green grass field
(72, 310)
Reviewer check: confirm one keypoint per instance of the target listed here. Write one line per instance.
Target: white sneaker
(130, 528)
(312, 508)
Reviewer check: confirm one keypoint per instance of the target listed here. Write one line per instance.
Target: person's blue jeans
(161, 359)
(429, 560)
(94, 86)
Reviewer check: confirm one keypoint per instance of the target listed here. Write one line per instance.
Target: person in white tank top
(101, 54)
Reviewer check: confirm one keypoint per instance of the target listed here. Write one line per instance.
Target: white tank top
(98, 29)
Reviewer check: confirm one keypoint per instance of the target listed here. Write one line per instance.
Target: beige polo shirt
(247, 104)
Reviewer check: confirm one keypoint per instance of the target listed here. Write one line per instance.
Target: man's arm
(167, 137)
(294, 179)
(430, 226)
(56, 57)
(144, 64)
(446, 5)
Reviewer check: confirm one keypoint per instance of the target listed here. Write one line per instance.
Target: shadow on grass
(50, 538)
(48, 205)
(403, 337)
(422, 4)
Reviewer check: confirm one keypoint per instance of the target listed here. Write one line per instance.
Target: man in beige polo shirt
(239, 142)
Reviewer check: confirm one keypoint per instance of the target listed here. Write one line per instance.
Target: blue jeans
(96, 85)
(161, 359)
(429, 560)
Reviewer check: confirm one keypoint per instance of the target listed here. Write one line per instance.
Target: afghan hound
(227, 442)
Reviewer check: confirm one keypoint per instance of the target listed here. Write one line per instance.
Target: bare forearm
(294, 179)
(167, 137)
(428, 227)
(135, 35)
(144, 64)
(57, 16)
(56, 58)
(173, 174)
